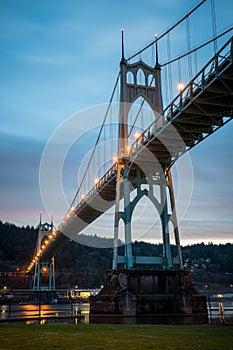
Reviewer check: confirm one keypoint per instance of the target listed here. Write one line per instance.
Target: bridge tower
(44, 275)
(151, 91)
(146, 285)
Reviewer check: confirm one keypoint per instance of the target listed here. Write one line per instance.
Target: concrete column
(176, 229)
(165, 231)
(127, 216)
(116, 219)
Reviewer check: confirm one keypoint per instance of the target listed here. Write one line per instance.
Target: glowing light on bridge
(97, 180)
(129, 149)
(180, 86)
(136, 135)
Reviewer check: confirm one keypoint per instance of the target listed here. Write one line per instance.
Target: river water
(46, 313)
(219, 313)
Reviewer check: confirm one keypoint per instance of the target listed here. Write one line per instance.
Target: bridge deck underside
(197, 116)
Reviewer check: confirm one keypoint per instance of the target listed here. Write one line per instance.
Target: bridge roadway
(205, 105)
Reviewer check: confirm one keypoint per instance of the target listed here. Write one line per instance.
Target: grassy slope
(111, 337)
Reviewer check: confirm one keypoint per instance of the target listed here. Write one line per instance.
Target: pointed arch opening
(141, 79)
(121, 232)
(151, 80)
(172, 239)
(129, 78)
(145, 222)
(171, 233)
(140, 116)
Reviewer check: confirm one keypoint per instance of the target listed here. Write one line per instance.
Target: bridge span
(199, 110)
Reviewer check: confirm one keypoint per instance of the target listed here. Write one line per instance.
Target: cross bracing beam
(204, 106)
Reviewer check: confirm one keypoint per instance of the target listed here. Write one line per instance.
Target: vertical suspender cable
(152, 56)
(142, 121)
(188, 37)
(179, 71)
(110, 132)
(169, 67)
(214, 26)
(195, 63)
(166, 85)
(104, 155)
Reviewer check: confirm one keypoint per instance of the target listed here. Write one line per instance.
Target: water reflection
(219, 312)
(46, 313)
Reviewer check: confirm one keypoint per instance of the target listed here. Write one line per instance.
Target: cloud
(19, 177)
(59, 57)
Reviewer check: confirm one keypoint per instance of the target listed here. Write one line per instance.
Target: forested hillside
(85, 266)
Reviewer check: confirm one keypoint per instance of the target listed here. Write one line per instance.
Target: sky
(59, 57)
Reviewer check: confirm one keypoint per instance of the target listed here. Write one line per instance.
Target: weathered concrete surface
(148, 292)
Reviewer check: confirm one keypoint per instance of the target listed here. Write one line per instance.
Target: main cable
(197, 48)
(167, 31)
(96, 143)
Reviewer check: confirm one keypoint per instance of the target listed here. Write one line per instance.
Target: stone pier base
(149, 292)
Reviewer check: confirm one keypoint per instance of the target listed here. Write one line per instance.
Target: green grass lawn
(114, 337)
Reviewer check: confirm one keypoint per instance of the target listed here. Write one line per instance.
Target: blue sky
(61, 56)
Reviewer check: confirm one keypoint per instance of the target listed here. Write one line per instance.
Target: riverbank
(114, 337)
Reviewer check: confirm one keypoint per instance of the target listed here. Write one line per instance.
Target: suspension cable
(214, 26)
(138, 113)
(161, 65)
(167, 31)
(195, 63)
(166, 84)
(188, 38)
(169, 67)
(179, 71)
(96, 143)
(197, 48)
(167, 78)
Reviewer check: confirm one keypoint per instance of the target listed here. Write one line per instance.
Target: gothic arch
(151, 80)
(130, 78)
(145, 98)
(139, 196)
(141, 78)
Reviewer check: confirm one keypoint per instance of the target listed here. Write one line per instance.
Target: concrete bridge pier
(167, 296)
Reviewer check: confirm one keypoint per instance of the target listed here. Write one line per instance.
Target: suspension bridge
(141, 156)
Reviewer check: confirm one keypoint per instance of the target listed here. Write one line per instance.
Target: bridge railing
(98, 186)
(213, 67)
(104, 180)
(211, 70)
(185, 97)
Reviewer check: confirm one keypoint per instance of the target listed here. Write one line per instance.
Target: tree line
(85, 265)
